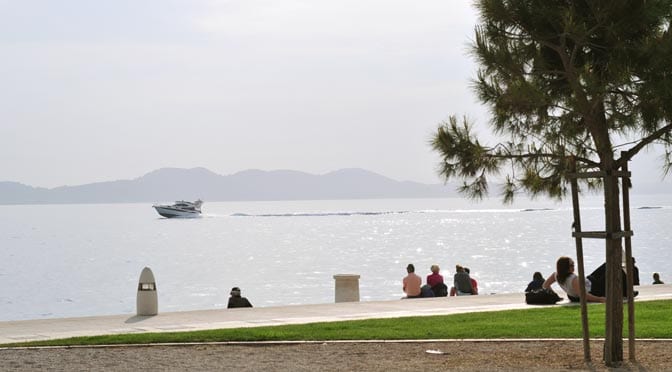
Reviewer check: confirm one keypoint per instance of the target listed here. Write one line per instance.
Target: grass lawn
(653, 320)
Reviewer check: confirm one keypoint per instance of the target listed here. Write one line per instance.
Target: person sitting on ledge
(598, 279)
(569, 282)
(461, 282)
(656, 279)
(474, 283)
(412, 283)
(536, 283)
(426, 291)
(236, 300)
(435, 281)
(635, 273)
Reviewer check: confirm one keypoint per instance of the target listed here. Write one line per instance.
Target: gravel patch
(564, 355)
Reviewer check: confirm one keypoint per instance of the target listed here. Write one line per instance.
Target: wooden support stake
(579, 262)
(629, 264)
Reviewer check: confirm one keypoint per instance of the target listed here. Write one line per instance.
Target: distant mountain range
(169, 184)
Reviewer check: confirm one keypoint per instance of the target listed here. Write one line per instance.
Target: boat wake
(318, 214)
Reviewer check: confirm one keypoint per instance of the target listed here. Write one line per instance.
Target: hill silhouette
(169, 184)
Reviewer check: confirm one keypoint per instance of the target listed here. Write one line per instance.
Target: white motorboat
(181, 208)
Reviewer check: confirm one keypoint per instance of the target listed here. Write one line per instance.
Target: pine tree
(586, 79)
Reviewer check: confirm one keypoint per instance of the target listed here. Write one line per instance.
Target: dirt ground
(339, 356)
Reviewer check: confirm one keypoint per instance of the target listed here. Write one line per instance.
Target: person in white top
(569, 282)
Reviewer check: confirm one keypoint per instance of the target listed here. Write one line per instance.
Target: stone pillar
(147, 300)
(347, 287)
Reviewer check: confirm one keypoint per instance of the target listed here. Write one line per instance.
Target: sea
(77, 260)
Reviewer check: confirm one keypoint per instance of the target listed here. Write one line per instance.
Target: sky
(105, 90)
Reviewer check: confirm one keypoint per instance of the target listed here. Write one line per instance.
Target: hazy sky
(105, 90)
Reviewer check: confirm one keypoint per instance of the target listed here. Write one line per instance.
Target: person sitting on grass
(569, 282)
(536, 283)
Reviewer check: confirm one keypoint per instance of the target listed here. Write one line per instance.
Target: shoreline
(45, 329)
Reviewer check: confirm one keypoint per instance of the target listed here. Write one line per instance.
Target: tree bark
(613, 346)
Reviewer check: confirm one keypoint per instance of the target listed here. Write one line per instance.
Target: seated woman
(569, 282)
(435, 281)
(536, 283)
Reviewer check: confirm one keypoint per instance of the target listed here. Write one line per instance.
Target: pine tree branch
(627, 155)
(511, 156)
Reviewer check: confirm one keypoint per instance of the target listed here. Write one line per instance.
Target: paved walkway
(45, 329)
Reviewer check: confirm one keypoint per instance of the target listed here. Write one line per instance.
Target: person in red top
(412, 283)
(435, 281)
(474, 283)
(434, 278)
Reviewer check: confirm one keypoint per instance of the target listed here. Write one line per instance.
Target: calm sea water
(84, 260)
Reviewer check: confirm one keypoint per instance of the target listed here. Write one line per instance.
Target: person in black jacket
(598, 280)
(236, 300)
(635, 273)
(536, 283)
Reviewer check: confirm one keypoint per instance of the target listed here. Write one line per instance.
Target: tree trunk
(613, 346)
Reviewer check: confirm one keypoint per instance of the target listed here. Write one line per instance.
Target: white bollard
(347, 287)
(147, 301)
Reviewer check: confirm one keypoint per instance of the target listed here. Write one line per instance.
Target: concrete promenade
(45, 329)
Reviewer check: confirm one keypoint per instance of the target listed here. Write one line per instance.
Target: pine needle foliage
(587, 79)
